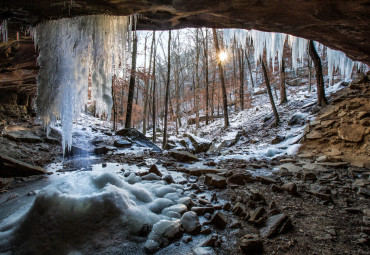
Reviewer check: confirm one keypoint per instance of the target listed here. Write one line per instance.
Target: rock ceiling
(340, 24)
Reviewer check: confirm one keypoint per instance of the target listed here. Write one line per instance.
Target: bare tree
(153, 93)
(132, 83)
(270, 93)
(241, 77)
(221, 74)
(167, 91)
(283, 97)
(205, 48)
(321, 99)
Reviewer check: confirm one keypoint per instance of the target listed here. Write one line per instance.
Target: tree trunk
(131, 90)
(321, 99)
(167, 91)
(241, 77)
(146, 88)
(283, 97)
(270, 93)
(309, 74)
(222, 79)
(249, 67)
(153, 96)
(205, 47)
(196, 91)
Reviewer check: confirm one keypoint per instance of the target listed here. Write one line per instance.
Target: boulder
(291, 187)
(138, 138)
(219, 220)
(202, 210)
(183, 156)
(190, 223)
(154, 169)
(277, 224)
(199, 144)
(241, 179)
(10, 167)
(215, 180)
(251, 244)
(234, 138)
(297, 119)
(122, 143)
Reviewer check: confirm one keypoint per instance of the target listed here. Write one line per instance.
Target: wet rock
(187, 239)
(183, 156)
(122, 143)
(154, 169)
(215, 181)
(202, 210)
(266, 180)
(210, 241)
(162, 234)
(291, 187)
(251, 244)
(103, 150)
(289, 169)
(138, 138)
(226, 206)
(308, 175)
(219, 220)
(190, 223)
(277, 224)
(168, 179)
(351, 133)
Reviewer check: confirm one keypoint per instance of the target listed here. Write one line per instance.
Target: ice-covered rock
(190, 223)
(199, 144)
(162, 234)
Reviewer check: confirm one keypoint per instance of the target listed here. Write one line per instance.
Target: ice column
(69, 49)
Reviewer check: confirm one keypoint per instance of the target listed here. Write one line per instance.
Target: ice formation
(338, 61)
(71, 49)
(4, 30)
(75, 207)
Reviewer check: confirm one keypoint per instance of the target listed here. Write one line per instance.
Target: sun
(223, 56)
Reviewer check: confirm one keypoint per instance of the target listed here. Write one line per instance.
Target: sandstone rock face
(341, 24)
(351, 133)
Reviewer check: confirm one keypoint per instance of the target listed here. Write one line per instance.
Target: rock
(162, 234)
(10, 167)
(289, 169)
(308, 175)
(77, 152)
(256, 215)
(122, 143)
(276, 188)
(26, 136)
(151, 177)
(240, 179)
(226, 206)
(359, 78)
(231, 142)
(5, 182)
(138, 138)
(203, 251)
(314, 135)
(277, 224)
(219, 220)
(251, 244)
(297, 119)
(351, 133)
(190, 223)
(168, 179)
(103, 150)
(183, 156)
(209, 241)
(202, 210)
(215, 181)
(291, 187)
(278, 139)
(199, 144)
(154, 169)
(266, 180)
(239, 209)
(327, 123)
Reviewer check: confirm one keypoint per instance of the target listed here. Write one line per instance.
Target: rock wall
(341, 24)
(341, 132)
(18, 72)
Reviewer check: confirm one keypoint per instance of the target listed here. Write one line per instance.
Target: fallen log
(10, 167)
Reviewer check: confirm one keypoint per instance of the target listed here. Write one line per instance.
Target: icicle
(69, 48)
(299, 50)
(338, 61)
(4, 30)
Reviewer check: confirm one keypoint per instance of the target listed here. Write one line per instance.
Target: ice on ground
(77, 206)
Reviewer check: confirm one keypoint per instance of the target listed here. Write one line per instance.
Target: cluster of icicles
(4, 30)
(71, 51)
(273, 45)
